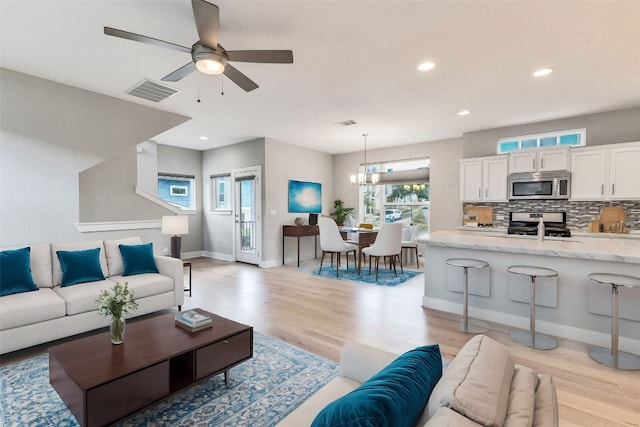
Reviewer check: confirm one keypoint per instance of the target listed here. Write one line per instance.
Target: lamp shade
(175, 225)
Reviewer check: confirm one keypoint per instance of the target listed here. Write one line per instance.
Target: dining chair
(388, 244)
(410, 244)
(331, 242)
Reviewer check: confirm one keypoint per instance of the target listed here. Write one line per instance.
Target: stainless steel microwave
(539, 185)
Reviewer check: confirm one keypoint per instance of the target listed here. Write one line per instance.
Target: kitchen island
(569, 306)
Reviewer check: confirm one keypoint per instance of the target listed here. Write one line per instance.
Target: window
(576, 137)
(395, 200)
(177, 190)
(221, 193)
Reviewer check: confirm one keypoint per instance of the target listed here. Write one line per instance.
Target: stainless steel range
(526, 223)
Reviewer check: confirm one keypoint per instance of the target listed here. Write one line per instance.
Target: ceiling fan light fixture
(214, 65)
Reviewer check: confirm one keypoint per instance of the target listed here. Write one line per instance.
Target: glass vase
(117, 329)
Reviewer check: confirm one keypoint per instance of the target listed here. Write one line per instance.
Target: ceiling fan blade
(207, 17)
(263, 56)
(240, 79)
(181, 72)
(144, 39)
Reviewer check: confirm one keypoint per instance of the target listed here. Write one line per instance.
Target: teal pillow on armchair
(394, 397)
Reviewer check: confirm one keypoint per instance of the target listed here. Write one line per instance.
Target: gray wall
(185, 162)
(50, 133)
(444, 176)
(217, 230)
(281, 162)
(107, 192)
(80, 120)
(602, 128)
(38, 190)
(286, 162)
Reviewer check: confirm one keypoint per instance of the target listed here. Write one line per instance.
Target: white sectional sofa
(54, 311)
(481, 386)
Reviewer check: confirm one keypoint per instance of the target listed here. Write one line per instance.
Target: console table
(299, 231)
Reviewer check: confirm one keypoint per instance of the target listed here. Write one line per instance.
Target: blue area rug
(386, 277)
(263, 390)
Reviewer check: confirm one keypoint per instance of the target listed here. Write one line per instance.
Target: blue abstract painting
(305, 197)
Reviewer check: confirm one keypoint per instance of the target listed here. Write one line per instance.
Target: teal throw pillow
(138, 259)
(15, 272)
(80, 266)
(395, 396)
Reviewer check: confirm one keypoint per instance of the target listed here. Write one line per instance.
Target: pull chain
(198, 83)
(222, 85)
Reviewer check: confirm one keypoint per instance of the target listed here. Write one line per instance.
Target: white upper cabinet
(539, 160)
(624, 173)
(589, 174)
(608, 172)
(483, 179)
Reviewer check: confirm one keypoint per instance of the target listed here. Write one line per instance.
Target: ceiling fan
(206, 54)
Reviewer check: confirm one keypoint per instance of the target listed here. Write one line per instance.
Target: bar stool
(466, 264)
(531, 338)
(611, 356)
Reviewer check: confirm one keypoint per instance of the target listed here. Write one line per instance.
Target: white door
(247, 214)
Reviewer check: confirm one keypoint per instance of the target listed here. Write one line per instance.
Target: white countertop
(574, 232)
(577, 246)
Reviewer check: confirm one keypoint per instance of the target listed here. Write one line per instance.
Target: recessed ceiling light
(204, 138)
(426, 66)
(543, 72)
(464, 113)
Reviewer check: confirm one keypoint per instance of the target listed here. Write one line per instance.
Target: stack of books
(193, 321)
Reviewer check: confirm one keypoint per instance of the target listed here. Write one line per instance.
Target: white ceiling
(352, 60)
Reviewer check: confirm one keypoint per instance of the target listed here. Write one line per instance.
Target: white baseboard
(218, 255)
(577, 334)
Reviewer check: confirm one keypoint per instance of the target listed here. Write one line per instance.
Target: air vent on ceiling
(152, 91)
(347, 123)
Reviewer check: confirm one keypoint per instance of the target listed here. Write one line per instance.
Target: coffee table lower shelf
(102, 384)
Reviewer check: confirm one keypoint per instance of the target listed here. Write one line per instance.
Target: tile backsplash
(578, 213)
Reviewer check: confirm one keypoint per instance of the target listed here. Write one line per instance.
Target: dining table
(363, 237)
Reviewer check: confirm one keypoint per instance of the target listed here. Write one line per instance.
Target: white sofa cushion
(522, 397)
(477, 382)
(546, 412)
(447, 417)
(41, 266)
(147, 284)
(75, 246)
(302, 416)
(114, 257)
(82, 297)
(30, 307)
(360, 362)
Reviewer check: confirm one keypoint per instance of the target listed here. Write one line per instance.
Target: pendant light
(365, 178)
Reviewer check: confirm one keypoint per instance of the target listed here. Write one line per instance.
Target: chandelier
(365, 178)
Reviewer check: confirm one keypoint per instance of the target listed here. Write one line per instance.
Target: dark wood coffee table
(102, 383)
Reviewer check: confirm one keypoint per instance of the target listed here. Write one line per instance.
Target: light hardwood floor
(319, 315)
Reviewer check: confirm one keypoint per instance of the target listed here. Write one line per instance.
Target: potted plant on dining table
(340, 212)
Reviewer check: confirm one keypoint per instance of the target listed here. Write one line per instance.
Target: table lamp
(175, 225)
